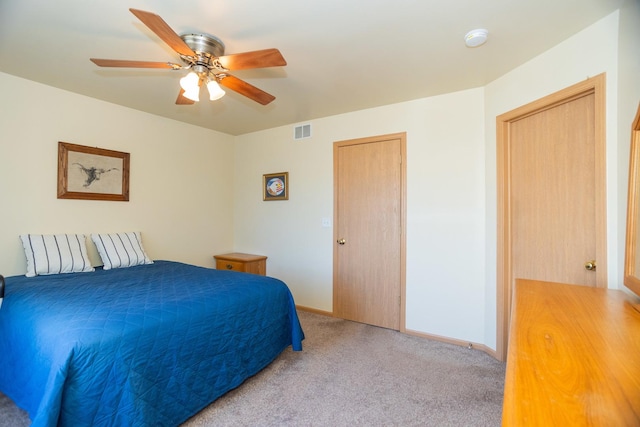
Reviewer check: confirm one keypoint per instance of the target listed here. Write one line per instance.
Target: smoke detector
(475, 38)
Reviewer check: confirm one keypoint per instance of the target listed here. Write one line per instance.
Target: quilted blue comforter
(142, 346)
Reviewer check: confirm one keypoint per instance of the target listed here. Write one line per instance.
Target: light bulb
(215, 91)
(190, 82)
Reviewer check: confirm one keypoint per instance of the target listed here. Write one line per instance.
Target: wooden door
(552, 201)
(551, 194)
(369, 181)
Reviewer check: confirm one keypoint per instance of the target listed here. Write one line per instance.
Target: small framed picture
(275, 186)
(92, 173)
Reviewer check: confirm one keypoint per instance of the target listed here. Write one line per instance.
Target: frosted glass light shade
(192, 94)
(190, 82)
(215, 91)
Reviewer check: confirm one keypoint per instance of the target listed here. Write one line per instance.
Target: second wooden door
(369, 236)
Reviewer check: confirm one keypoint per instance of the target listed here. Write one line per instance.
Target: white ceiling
(342, 55)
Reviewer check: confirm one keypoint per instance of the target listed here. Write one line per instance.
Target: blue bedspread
(149, 345)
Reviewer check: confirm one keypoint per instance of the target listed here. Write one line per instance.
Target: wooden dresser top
(574, 357)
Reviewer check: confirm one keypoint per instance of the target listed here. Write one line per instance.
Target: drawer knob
(229, 267)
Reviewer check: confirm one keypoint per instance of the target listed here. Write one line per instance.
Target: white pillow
(55, 254)
(119, 250)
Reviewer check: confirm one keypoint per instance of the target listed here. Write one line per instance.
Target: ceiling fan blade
(164, 31)
(181, 100)
(256, 59)
(133, 64)
(247, 89)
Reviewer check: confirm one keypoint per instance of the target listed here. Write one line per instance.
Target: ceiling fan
(203, 54)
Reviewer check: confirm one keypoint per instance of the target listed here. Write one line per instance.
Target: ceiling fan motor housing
(204, 44)
(207, 49)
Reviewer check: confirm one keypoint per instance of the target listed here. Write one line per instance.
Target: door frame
(402, 136)
(504, 280)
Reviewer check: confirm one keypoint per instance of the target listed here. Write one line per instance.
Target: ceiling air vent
(302, 131)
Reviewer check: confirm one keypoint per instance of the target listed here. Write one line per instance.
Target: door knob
(590, 265)
(341, 241)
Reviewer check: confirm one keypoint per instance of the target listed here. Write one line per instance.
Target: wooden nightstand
(248, 263)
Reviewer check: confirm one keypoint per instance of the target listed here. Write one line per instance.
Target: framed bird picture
(92, 173)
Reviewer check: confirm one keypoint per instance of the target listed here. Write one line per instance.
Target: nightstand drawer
(222, 264)
(246, 263)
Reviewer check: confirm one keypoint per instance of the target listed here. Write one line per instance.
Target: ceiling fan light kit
(204, 56)
(191, 85)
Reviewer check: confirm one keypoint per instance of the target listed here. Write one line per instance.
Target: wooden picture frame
(92, 173)
(275, 186)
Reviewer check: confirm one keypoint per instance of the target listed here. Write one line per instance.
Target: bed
(148, 345)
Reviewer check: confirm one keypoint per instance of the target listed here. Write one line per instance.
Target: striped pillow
(119, 250)
(55, 254)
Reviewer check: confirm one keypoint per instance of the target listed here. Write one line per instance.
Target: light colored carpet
(351, 374)
(10, 415)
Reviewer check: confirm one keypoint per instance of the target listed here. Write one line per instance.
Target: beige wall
(181, 193)
(187, 209)
(445, 205)
(451, 208)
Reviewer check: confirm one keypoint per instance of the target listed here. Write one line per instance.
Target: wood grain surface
(574, 357)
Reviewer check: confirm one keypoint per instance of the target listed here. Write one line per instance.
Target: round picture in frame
(275, 186)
